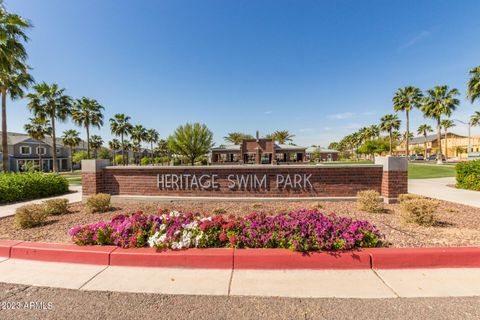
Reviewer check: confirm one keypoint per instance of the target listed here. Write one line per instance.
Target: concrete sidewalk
(438, 189)
(266, 283)
(74, 196)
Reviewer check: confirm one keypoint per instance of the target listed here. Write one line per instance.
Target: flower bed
(303, 230)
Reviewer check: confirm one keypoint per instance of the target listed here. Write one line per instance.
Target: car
(416, 157)
(433, 157)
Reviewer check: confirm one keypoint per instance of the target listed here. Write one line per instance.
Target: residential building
(22, 148)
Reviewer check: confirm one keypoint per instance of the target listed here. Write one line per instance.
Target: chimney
(257, 135)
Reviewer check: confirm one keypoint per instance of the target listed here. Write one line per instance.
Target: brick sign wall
(246, 181)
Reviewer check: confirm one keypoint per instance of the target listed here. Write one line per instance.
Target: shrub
(409, 196)
(56, 207)
(145, 161)
(368, 200)
(119, 159)
(99, 203)
(30, 215)
(468, 175)
(303, 230)
(419, 211)
(26, 186)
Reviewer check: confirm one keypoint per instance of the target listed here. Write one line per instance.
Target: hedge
(468, 175)
(26, 186)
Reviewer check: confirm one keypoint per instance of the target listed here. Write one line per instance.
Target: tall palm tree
(447, 124)
(71, 139)
(282, 136)
(151, 136)
(38, 129)
(236, 137)
(389, 123)
(138, 135)
(14, 77)
(120, 126)
(96, 143)
(373, 131)
(86, 113)
(50, 102)
(405, 99)
(424, 129)
(440, 101)
(473, 88)
(114, 145)
(475, 119)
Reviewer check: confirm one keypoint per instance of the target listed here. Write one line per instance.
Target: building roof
(14, 138)
(230, 147)
(322, 150)
(288, 147)
(432, 137)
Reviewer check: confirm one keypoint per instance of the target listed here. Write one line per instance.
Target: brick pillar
(394, 177)
(92, 176)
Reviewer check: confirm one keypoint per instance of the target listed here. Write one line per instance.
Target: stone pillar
(92, 176)
(394, 177)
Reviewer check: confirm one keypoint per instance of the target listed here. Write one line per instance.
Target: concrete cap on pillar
(390, 163)
(94, 165)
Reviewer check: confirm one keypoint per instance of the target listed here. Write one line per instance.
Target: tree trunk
(407, 138)
(113, 157)
(390, 134)
(88, 142)
(425, 146)
(4, 131)
(446, 143)
(54, 144)
(439, 141)
(40, 168)
(71, 159)
(123, 149)
(151, 151)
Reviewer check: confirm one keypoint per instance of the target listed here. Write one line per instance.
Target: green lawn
(72, 177)
(349, 162)
(425, 171)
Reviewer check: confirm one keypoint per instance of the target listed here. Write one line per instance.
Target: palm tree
(50, 102)
(388, 123)
(475, 119)
(191, 141)
(447, 124)
(405, 99)
(237, 137)
(473, 88)
(138, 135)
(440, 101)
(96, 143)
(120, 126)
(114, 145)
(424, 129)
(38, 129)
(282, 136)
(71, 139)
(151, 137)
(14, 77)
(87, 112)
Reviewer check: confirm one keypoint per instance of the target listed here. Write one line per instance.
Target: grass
(426, 171)
(349, 162)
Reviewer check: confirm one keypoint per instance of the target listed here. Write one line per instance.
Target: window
(59, 150)
(24, 150)
(41, 150)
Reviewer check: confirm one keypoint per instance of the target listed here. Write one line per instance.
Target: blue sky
(320, 69)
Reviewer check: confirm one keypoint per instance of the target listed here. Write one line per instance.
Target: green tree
(237, 137)
(191, 141)
(138, 135)
(389, 123)
(374, 146)
(334, 146)
(440, 101)
(447, 124)
(87, 113)
(38, 129)
(281, 136)
(120, 126)
(71, 139)
(424, 129)
(405, 99)
(50, 102)
(152, 136)
(473, 87)
(79, 156)
(14, 76)
(475, 119)
(96, 143)
(114, 145)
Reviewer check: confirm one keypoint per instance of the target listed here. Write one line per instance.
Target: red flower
(232, 240)
(222, 237)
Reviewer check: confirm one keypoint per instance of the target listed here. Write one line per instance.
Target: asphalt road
(75, 304)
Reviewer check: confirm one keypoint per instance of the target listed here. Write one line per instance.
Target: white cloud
(340, 116)
(419, 37)
(268, 112)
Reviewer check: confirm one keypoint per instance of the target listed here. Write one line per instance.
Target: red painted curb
(287, 259)
(55, 252)
(411, 258)
(6, 246)
(221, 258)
